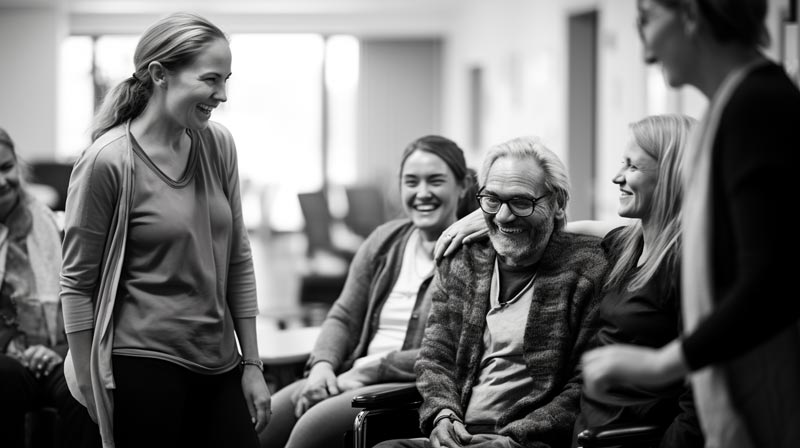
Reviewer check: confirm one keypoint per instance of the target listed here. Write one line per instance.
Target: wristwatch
(253, 362)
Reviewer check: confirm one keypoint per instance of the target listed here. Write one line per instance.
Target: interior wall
(399, 100)
(582, 110)
(30, 34)
(622, 96)
(521, 47)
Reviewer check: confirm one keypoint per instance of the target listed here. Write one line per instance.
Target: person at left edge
(32, 339)
(157, 283)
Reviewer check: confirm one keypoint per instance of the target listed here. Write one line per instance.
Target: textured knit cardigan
(561, 321)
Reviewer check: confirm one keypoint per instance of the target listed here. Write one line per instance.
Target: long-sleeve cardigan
(353, 319)
(561, 321)
(754, 163)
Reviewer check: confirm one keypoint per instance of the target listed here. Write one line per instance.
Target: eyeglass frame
(533, 201)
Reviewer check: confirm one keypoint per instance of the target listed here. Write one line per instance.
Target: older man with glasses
(511, 315)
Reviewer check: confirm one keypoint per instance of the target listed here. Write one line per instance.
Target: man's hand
(449, 434)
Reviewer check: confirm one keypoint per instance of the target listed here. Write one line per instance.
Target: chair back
(318, 220)
(365, 209)
(53, 174)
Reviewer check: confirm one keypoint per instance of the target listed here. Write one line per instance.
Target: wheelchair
(392, 414)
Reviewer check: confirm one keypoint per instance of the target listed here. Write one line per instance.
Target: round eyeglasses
(520, 207)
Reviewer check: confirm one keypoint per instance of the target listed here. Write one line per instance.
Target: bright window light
(75, 97)
(341, 80)
(274, 110)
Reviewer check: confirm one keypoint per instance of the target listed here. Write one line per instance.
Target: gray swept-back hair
(556, 180)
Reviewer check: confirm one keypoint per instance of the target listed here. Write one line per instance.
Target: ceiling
(261, 6)
(361, 17)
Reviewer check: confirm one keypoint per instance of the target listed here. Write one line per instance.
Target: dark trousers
(161, 404)
(21, 392)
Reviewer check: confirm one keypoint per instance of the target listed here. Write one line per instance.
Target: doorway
(582, 114)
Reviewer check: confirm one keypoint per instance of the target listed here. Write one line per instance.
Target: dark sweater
(754, 187)
(649, 317)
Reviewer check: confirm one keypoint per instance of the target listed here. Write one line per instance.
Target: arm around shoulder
(594, 227)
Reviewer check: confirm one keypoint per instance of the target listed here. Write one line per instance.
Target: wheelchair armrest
(402, 396)
(617, 434)
(388, 414)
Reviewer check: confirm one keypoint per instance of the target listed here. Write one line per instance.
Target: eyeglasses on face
(520, 207)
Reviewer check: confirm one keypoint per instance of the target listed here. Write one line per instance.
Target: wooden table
(284, 352)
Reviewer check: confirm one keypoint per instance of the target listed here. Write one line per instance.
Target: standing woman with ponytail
(157, 283)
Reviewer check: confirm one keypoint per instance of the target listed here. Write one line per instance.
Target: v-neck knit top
(187, 269)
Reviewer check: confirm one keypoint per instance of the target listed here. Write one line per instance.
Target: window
(291, 108)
